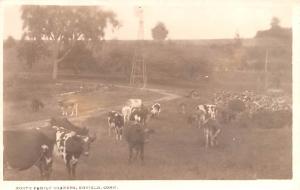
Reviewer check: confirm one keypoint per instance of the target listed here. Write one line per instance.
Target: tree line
(74, 36)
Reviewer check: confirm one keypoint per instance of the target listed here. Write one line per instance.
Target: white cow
(134, 103)
(126, 112)
(127, 109)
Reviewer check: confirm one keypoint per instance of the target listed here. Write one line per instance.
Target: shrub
(268, 119)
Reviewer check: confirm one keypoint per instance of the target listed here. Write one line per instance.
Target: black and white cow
(155, 110)
(115, 122)
(208, 121)
(26, 148)
(71, 142)
(209, 110)
(70, 146)
(140, 115)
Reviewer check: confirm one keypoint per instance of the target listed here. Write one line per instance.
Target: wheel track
(101, 110)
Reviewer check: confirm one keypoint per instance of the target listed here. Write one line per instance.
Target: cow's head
(45, 162)
(86, 142)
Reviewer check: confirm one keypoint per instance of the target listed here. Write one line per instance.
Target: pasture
(175, 151)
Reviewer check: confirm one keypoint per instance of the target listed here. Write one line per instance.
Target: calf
(182, 108)
(136, 137)
(115, 122)
(155, 110)
(70, 147)
(68, 106)
(26, 148)
(36, 105)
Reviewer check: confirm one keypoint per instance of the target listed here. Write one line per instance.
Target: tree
(159, 32)
(80, 58)
(64, 25)
(275, 22)
(9, 42)
(31, 51)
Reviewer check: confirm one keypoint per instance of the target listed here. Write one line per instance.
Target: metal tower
(138, 75)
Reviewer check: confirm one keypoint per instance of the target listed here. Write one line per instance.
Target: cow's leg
(41, 167)
(73, 164)
(73, 170)
(109, 131)
(68, 166)
(67, 160)
(214, 137)
(137, 151)
(72, 110)
(211, 139)
(142, 153)
(130, 154)
(76, 109)
(117, 134)
(120, 133)
(206, 134)
(108, 126)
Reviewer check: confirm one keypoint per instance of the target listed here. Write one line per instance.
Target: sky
(202, 19)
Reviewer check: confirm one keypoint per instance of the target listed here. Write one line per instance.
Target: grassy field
(175, 151)
(17, 99)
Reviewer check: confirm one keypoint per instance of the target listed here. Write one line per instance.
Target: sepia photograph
(200, 90)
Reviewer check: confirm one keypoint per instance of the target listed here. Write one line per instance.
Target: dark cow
(26, 148)
(36, 105)
(66, 124)
(70, 146)
(139, 115)
(136, 137)
(196, 119)
(116, 122)
(155, 110)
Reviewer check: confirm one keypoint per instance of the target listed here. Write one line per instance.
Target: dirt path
(167, 96)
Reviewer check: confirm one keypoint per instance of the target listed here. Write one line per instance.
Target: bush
(236, 105)
(268, 119)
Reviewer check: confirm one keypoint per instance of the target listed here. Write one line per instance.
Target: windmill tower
(138, 75)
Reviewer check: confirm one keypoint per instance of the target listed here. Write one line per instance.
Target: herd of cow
(34, 147)
(25, 148)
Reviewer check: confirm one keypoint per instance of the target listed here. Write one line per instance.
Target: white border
(176, 184)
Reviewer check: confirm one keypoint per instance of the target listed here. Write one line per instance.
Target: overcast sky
(200, 19)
